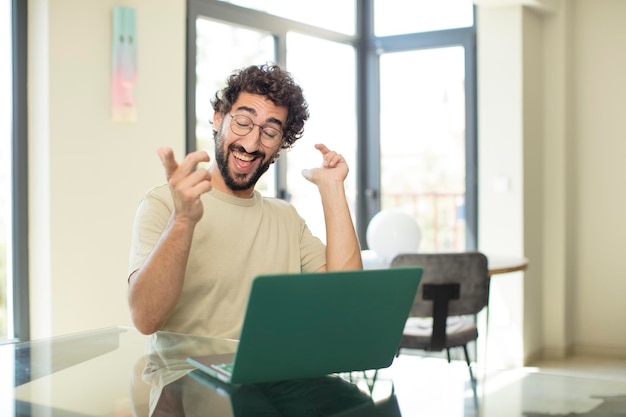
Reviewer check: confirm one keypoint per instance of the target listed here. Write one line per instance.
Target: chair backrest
(468, 269)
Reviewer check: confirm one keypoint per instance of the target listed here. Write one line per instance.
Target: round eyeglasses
(241, 125)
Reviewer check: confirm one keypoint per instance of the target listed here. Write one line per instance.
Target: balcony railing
(440, 215)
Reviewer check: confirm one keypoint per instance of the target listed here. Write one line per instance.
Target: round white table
(499, 264)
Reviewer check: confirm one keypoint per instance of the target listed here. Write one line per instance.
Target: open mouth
(243, 160)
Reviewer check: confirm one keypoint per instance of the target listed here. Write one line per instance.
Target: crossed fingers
(187, 182)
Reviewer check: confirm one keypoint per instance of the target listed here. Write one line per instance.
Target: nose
(252, 141)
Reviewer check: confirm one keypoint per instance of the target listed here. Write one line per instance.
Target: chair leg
(448, 353)
(472, 379)
(469, 365)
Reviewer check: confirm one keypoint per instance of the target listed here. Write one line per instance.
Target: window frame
(19, 174)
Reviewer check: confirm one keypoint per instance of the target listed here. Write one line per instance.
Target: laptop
(313, 324)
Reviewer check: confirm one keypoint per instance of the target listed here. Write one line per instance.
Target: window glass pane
(330, 92)
(395, 17)
(220, 49)
(423, 142)
(6, 116)
(335, 15)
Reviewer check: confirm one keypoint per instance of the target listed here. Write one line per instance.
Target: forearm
(343, 251)
(154, 289)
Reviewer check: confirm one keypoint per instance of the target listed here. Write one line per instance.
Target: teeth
(243, 157)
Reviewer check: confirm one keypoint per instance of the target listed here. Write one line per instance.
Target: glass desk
(119, 372)
(116, 372)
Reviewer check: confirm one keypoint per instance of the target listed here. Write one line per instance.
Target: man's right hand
(187, 183)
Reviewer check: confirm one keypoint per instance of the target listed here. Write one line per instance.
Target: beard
(239, 182)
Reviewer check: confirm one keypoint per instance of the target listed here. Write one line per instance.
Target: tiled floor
(575, 387)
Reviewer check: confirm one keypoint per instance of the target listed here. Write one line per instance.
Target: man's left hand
(334, 167)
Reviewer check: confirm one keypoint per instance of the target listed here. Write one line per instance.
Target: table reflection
(178, 389)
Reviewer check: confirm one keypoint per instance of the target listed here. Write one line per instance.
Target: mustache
(239, 148)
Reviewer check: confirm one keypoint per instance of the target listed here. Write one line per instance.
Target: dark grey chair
(453, 285)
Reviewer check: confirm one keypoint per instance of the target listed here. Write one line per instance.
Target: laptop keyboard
(225, 367)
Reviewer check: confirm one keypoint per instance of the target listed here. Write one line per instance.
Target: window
(394, 84)
(6, 112)
(341, 19)
(427, 117)
(422, 142)
(214, 61)
(329, 90)
(223, 44)
(396, 17)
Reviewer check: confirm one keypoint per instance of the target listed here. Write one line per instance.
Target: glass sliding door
(427, 125)
(422, 142)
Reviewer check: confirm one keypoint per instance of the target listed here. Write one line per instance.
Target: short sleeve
(151, 218)
(313, 251)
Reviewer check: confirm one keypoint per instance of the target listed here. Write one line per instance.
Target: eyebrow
(254, 113)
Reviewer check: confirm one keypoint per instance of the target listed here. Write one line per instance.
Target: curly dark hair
(274, 83)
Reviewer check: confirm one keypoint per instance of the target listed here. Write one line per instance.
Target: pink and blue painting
(124, 61)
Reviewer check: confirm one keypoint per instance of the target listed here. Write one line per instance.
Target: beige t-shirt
(236, 240)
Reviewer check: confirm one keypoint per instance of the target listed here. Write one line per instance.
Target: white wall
(535, 178)
(551, 104)
(598, 67)
(558, 224)
(500, 158)
(87, 173)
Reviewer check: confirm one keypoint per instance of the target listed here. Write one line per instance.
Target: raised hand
(342, 245)
(334, 168)
(187, 183)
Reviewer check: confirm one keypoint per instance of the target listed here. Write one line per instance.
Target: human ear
(217, 120)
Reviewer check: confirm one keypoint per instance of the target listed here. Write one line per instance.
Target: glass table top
(119, 372)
